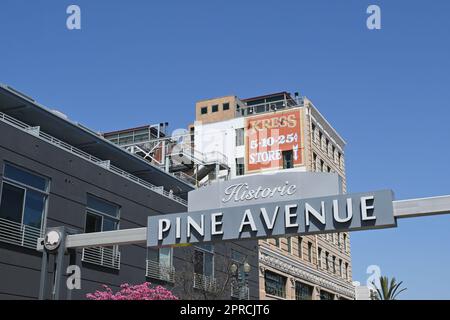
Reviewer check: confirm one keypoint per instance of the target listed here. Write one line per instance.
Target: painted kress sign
(274, 141)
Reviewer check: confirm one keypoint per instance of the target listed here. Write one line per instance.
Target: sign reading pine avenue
(284, 211)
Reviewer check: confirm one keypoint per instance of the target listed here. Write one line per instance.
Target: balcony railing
(205, 283)
(240, 291)
(197, 157)
(104, 164)
(183, 176)
(268, 107)
(19, 234)
(156, 270)
(102, 256)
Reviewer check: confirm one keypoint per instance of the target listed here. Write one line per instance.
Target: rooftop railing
(183, 176)
(202, 158)
(268, 107)
(104, 164)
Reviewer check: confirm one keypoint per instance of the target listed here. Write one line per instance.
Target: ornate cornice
(298, 270)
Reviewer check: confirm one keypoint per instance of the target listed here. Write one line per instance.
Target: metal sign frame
(402, 209)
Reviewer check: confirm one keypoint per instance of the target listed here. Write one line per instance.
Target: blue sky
(387, 92)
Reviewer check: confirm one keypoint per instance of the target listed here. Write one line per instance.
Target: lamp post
(242, 283)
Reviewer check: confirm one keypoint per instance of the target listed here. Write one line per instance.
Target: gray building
(55, 172)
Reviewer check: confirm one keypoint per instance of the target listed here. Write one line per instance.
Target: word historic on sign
(242, 192)
(302, 216)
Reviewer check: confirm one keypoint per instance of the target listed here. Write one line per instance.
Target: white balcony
(240, 291)
(156, 270)
(19, 234)
(205, 283)
(102, 256)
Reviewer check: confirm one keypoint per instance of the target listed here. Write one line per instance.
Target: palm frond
(388, 290)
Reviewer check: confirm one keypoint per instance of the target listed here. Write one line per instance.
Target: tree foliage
(133, 292)
(388, 290)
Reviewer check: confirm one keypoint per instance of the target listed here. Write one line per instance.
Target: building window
(314, 164)
(288, 159)
(325, 295)
(240, 167)
(289, 244)
(160, 264)
(334, 264)
(101, 215)
(340, 267)
(300, 245)
(277, 242)
(215, 108)
(204, 110)
(303, 291)
(226, 106)
(319, 259)
(327, 261)
(322, 166)
(275, 284)
(310, 252)
(344, 240)
(321, 139)
(346, 271)
(240, 134)
(163, 256)
(204, 260)
(23, 202)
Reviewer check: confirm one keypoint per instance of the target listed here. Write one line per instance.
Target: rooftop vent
(60, 114)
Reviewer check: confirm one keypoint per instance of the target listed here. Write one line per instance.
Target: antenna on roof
(298, 99)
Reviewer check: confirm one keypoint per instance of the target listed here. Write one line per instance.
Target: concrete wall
(221, 114)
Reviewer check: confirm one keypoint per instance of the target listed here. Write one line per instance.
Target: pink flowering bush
(128, 292)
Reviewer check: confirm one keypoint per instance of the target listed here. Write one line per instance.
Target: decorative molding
(297, 270)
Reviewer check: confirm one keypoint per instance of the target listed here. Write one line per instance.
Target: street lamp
(242, 283)
(247, 267)
(233, 269)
